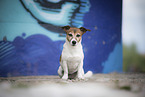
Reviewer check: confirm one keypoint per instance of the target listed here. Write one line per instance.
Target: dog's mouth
(73, 45)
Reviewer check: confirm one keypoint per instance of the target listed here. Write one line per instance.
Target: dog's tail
(88, 74)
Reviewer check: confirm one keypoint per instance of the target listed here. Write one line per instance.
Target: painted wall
(31, 39)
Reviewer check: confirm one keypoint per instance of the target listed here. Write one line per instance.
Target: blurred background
(133, 30)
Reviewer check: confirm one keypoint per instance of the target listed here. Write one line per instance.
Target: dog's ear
(66, 27)
(84, 29)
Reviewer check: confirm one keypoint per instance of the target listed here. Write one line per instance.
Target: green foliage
(132, 60)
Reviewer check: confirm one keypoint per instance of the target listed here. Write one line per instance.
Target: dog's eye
(78, 35)
(70, 35)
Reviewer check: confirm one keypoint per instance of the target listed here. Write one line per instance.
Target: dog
(71, 59)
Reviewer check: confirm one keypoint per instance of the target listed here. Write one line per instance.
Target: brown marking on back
(60, 58)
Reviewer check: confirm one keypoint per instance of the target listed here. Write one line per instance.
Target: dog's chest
(70, 53)
(72, 63)
(73, 57)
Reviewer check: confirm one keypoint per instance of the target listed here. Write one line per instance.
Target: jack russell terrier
(71, 59)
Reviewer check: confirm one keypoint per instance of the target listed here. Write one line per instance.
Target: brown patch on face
(74, 33)
(78, 37)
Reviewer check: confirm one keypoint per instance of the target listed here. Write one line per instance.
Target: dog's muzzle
(73, 42)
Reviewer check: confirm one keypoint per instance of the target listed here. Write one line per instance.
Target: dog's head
(74, 35)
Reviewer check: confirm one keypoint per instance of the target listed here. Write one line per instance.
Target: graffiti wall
(31, 39)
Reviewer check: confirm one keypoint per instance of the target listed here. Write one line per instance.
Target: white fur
(88, 74)
(72, 60)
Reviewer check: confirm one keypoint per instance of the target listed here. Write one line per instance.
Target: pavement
(99, 85)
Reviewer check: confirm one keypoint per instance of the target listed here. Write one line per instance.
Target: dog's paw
(80, 77)
(65, 77)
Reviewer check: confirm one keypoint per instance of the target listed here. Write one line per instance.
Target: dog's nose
(73, 42)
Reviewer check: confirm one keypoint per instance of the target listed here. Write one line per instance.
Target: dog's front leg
(65, 69)
(80, 71)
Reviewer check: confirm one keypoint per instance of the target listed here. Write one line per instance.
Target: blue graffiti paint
(50, 14)
(51, 17)
(31, 49)
(18, 19)
(35, 55)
